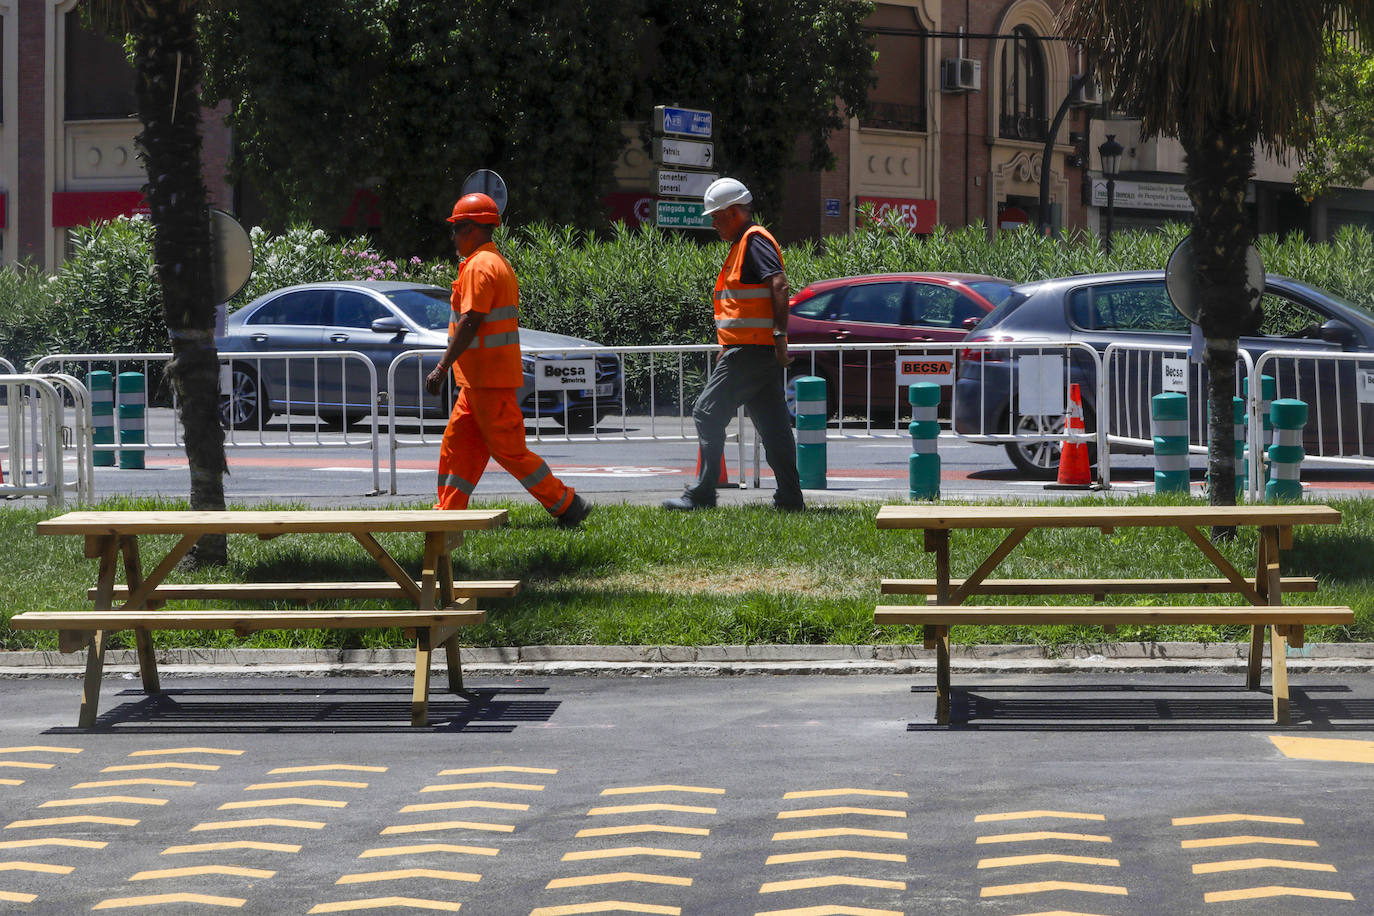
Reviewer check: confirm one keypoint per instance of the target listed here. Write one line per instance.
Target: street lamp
(1110, 151)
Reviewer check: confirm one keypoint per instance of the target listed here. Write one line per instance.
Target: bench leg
(419, 698)
(941, 675)
(455, 665)
(147, 662)
(90, 689)
(1252, 677)
(1278, 660)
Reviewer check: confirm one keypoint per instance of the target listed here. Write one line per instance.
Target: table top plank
(1079, 516)
(242, 620)
(272, 521)
(967, 614)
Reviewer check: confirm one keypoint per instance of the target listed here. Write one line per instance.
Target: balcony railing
(894, 116)
(1023, 127)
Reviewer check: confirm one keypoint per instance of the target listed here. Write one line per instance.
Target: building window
(1023, 87)
(99, 82)
(897, 101)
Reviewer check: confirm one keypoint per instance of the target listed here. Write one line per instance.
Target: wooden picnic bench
(945, 605)
(442, 605)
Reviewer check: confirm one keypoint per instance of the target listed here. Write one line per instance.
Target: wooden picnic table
(441, 605)
(1264, 591)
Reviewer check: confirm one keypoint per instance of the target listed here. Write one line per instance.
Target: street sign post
(682, 214)
(689, 153)
(688, 122)
(687, 176)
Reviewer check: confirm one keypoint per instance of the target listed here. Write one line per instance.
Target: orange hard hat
(477, 208)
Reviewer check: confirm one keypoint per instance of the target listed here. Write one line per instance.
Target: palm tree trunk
(168, 65)
(1220, 162)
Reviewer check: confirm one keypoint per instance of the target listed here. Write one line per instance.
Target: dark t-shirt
(761, 261)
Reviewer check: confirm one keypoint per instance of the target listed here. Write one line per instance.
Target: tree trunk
(1219, 164)
(168, 66)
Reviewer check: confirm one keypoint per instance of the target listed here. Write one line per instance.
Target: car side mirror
(968, 324)
(1338, 332)
(389, 325)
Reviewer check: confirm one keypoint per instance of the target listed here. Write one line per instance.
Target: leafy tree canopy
(1341, 148)
(407, 98)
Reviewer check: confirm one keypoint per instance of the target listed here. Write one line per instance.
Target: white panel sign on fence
(1175, 375)
(1366, 377)
(1040, 386)
(565, 373)
(938, 370)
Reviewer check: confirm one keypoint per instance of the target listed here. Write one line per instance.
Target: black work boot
(574, 514)
(686, 503)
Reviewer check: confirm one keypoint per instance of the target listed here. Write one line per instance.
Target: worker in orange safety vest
(484, 352)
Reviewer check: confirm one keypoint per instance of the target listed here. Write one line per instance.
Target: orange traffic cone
(724, 471)
(1073, 456)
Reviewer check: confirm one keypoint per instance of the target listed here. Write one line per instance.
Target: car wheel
(1040, 460)
(789, 391)
(582, 420)
(244, 405)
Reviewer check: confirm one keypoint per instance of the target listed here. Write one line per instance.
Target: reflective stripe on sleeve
(744, 293)
(744, 322)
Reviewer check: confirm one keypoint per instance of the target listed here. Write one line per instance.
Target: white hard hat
(725, 192)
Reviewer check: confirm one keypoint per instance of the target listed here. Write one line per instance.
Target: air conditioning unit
(1089, 93)
(961, 74)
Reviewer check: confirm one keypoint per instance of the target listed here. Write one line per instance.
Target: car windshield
(991, 290)
(429, 308)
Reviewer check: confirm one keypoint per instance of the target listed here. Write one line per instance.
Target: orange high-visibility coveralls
(486, 421)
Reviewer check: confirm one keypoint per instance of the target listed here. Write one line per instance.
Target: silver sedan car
(381, 319)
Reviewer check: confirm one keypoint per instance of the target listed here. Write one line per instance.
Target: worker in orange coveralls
(484, 351)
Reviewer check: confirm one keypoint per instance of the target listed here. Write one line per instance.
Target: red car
(881, 308)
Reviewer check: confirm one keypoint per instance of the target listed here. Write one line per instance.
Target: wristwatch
(777, 333)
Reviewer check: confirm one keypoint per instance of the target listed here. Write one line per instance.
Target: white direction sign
(691, 153)
(684, 184)
(682, 214)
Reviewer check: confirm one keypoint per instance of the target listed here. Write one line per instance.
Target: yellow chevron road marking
(232, 844)
(427, 847)
(401, 874)
(626, 851)
(821, 855)
(259, 822)
(448, 825)
(1208, 868)
(1234, 818)
(1337, 750)
(54, 841)
(830, 793)
(282, 803)
(134, 767)
(1060, 913)
(15, 897)
(464, 771)
(26, 765)
(326, 767)
(1258, 893)
(832, 910)
(637, 790)
(1030, 815)
(187, 750)
(41, 867)
(643, 828)
(117, 903)
(606, 906)
(104, 800)
(193, 870)
(380, 903)
(307, 784)
(144, 781)
(1037, 887)
(466, 786)
(40, 749)
(830, 812)
(1244, 841)
(75, 819)
(839, 831)
(773, 887)
(619, 877)
(1007, 861)
(11, 782)
(639, 809)
(451, 805)
(1042, 835)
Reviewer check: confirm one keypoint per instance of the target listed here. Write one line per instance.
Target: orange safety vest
(486, 283)
(744, 311)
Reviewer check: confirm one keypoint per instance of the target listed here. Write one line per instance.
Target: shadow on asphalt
(1117, 707)
(326, 711)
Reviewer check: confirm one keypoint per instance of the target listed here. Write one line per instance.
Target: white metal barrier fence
(36, 432)
(299, 385)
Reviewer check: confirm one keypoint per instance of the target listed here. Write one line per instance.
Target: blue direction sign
(687, 122)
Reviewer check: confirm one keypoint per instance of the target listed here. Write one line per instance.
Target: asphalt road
(1125, 795)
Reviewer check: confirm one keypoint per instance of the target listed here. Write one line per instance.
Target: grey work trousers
(747, 375)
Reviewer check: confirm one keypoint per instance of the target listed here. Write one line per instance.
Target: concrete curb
(696, 661)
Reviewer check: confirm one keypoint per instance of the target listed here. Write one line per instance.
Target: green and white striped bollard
(1289, 416)
(1169, 429)
(132, 407)
(811, 425)
(102, 417)
(924, 466)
